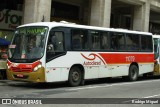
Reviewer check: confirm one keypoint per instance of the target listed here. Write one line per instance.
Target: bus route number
(130, 58)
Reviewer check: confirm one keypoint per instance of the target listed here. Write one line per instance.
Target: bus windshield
(28, 44)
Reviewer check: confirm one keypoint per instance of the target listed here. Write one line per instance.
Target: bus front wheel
(133, 73)
(75, 76)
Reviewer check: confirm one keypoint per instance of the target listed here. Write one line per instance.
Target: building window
(11, 4)
(67, 11)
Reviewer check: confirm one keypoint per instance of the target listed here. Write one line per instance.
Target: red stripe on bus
(111, 58)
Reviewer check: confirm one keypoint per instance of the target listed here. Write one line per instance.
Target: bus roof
(156, 36)
(63, 24)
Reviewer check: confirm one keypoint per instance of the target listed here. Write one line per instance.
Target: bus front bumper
(38, 76)
(156, 69)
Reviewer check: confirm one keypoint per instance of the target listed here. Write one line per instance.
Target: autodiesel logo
(93, 59)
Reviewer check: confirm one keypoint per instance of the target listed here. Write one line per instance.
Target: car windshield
(27, 44)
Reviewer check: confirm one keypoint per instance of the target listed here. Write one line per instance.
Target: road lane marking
(104, 86)
(90, 87)
(152, 96)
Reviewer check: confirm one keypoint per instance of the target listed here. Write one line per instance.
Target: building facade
(141, 15)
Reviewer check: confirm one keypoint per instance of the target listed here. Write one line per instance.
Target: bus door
(55, 49)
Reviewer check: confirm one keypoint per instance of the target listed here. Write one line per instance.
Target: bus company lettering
(92, 63)
(35, 30)
(91, 59)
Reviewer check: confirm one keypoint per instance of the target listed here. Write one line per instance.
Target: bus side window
(114, 41)
(76, 40)
(58, 41)
(55, 42)
(55, 45)
(76, 44)
(121, 41)
(118, 41)
(95, 40)
(79, 39)
(50, 44)
(146, 44)
(104, 41)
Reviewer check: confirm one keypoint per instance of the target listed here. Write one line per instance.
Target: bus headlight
(8, 67)
(155, 62)
(37, 67)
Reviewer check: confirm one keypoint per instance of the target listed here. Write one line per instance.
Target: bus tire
(133, 73)
(75, 77)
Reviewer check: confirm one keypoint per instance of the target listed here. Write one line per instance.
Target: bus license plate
(20, 75)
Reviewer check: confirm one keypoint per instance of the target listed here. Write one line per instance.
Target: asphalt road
(114, 92)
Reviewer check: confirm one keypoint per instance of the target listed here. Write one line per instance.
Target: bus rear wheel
(133, 73)
(75, 77)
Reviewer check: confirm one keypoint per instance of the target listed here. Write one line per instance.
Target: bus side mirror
(4, 56)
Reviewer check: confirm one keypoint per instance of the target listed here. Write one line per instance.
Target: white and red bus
(54, 52)
(156, 70)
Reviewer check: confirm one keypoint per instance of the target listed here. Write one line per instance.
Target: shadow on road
(64, 84)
